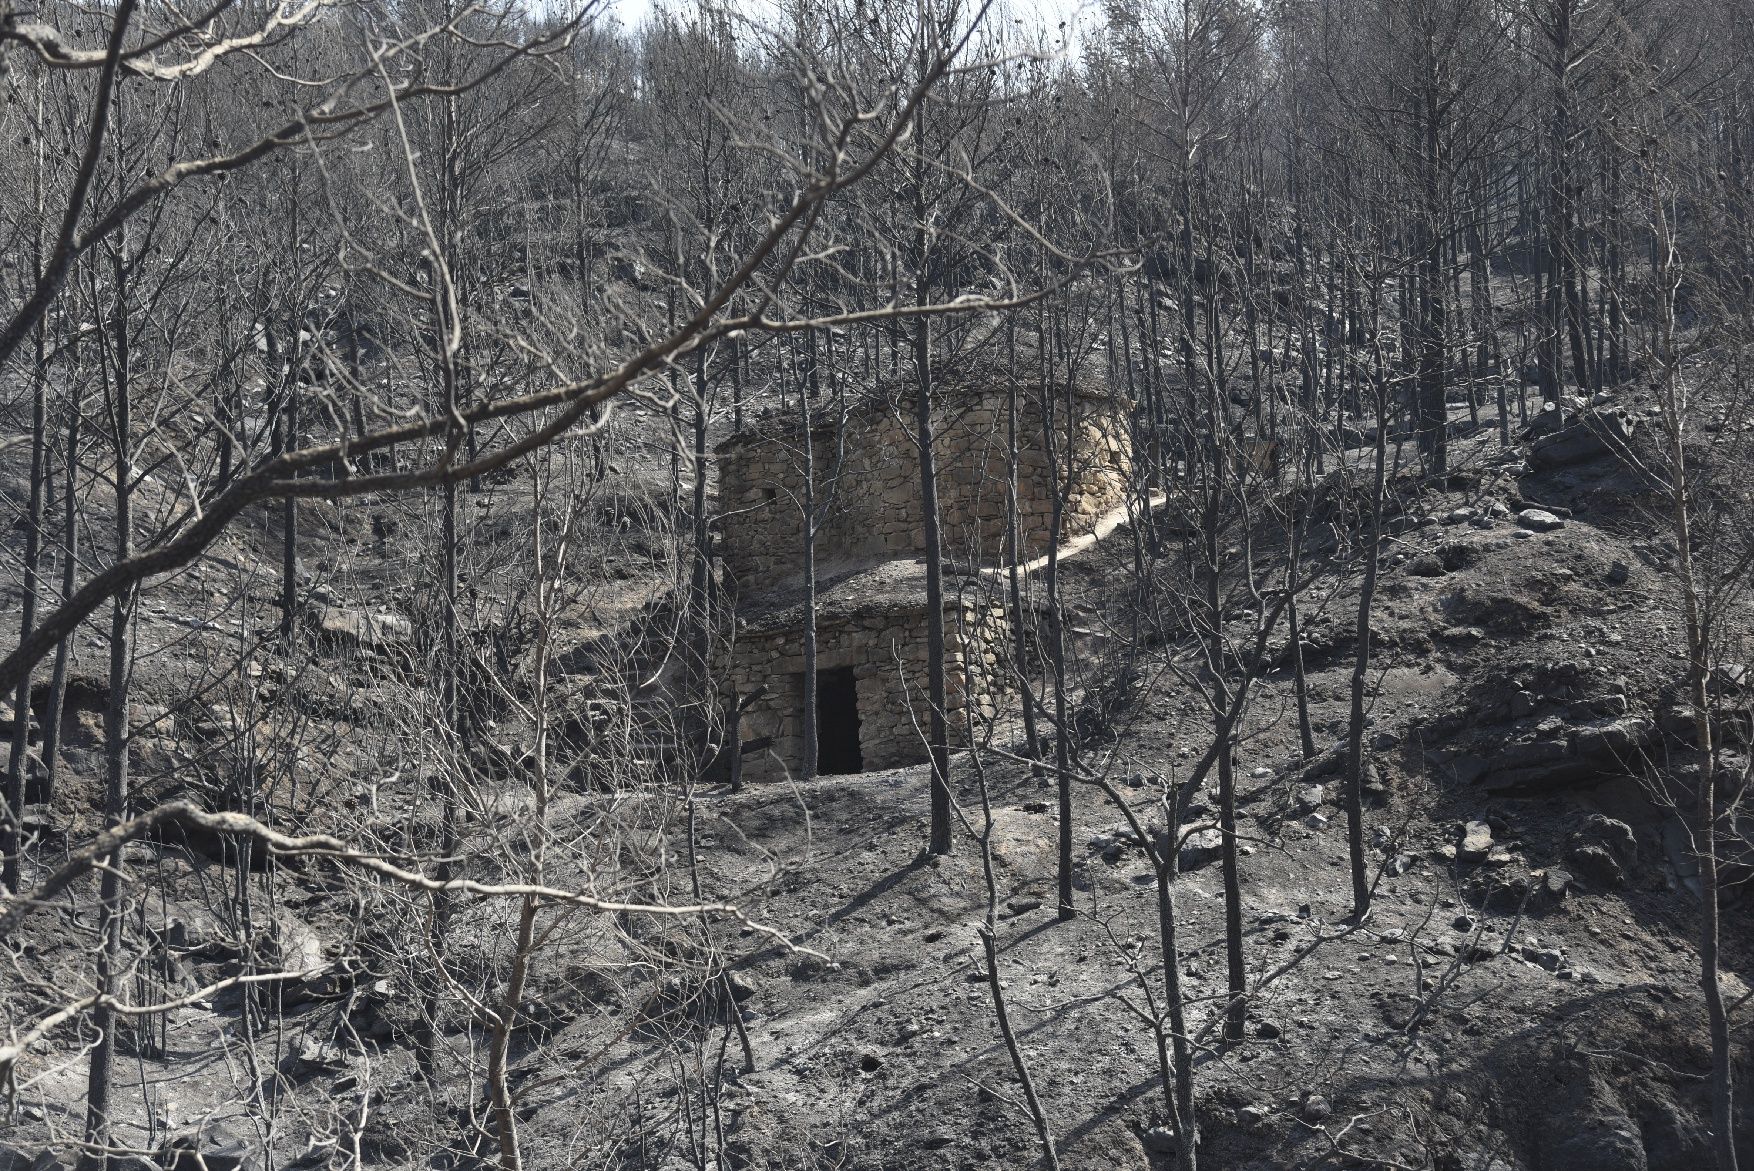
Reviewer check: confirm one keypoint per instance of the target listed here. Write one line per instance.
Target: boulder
(1613, 740)
(1602, 850)
(1597, 866)
(213, 1147)
(1548, 888)
(1549, 420)
(1463, 767)
(1556, 754)
(1539, 520)
(1476, 842)
(1201, 848)
(1594, 434)
(309, 1056)
(743, 986)
(1677, 720)
(1159, 1140)
(1616, 836)
(1324, 763)
(13, 1158)
(361, 629)
(1549, 958)
(1536, 751)
(1252, 1117)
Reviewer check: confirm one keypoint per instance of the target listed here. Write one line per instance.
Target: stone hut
(871, 624)
(870, 698)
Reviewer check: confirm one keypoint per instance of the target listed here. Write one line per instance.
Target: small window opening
(837, 722)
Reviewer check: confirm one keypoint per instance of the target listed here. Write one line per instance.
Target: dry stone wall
(886, 649)
(874, 512)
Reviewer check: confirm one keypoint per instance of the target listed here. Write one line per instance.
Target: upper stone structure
(868, 472)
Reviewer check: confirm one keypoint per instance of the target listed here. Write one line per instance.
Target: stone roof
(983, 373)
(873, 592)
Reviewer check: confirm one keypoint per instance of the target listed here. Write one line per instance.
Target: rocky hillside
(1525, 996)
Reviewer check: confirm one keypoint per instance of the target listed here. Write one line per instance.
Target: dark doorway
(837, 722)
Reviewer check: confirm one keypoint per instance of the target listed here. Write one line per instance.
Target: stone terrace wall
(887, 652)
(875, 514)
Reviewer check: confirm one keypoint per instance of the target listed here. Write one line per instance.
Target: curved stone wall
(873, 511)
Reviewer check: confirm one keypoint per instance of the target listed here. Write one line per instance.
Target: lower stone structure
(872, 699)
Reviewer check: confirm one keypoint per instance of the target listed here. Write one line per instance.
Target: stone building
(874, 512)
(870, 668)
(871, 595)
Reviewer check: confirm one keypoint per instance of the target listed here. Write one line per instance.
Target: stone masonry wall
(887, 652)
(875, 512)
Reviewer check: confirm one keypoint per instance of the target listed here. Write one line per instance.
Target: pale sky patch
(1074, 15)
